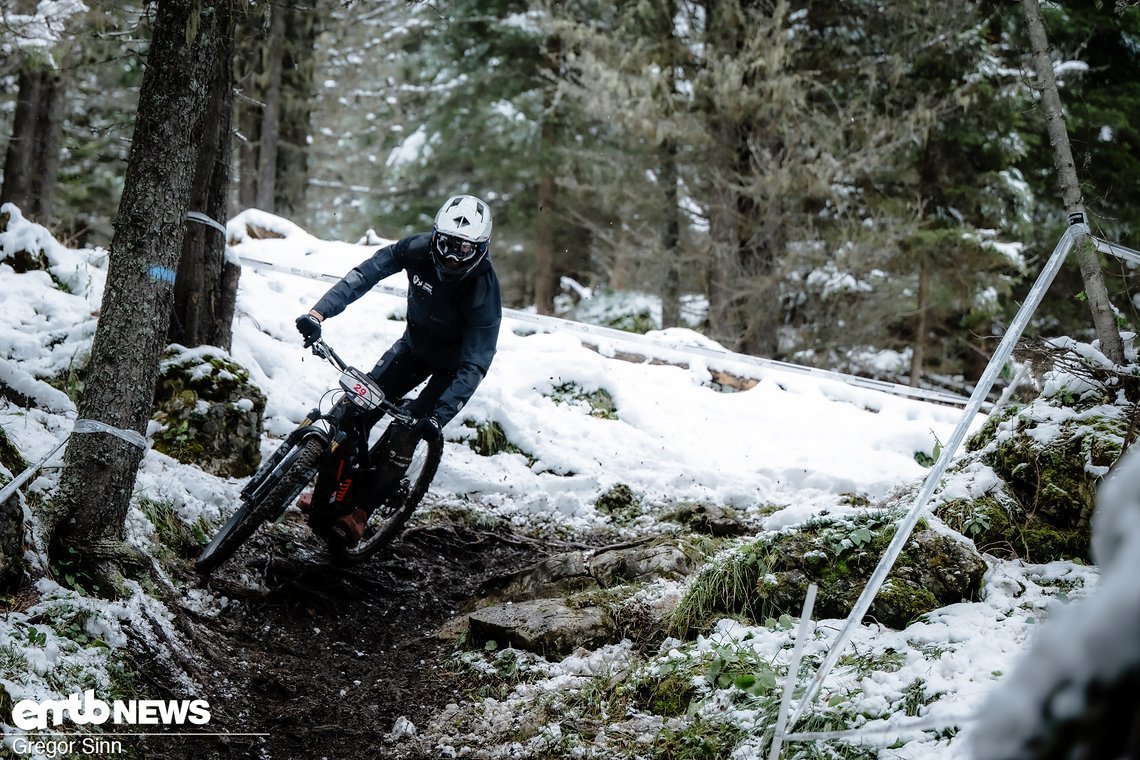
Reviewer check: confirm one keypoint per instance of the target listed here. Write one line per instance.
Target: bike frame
(332, 429)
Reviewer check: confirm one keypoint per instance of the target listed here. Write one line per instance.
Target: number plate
(362, 390)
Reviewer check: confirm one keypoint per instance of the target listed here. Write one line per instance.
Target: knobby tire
(248, 517)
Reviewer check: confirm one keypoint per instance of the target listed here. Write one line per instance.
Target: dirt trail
(325, 662)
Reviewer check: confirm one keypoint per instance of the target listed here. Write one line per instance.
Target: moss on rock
(1049, 459)
(770, 576)
(210, 411)
(989, 521)
(619, 500)
(1000, 526)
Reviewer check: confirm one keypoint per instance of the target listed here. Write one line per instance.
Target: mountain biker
(453, 317)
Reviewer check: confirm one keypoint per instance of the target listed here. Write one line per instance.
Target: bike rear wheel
(389, 518)
(295, 473)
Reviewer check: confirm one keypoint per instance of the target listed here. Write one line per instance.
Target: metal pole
(793, 673)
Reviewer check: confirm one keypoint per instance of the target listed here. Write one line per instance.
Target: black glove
(310, 328)
(428, 428)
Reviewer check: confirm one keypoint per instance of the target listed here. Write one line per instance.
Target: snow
(41, 30)
(790, 448)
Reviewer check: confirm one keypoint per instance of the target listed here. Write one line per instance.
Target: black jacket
(452, 326)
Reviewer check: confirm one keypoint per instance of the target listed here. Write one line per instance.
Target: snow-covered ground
(786, 449)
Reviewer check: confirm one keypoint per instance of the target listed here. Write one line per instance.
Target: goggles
(455, 252)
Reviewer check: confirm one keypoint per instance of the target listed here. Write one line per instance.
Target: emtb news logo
(30, 715)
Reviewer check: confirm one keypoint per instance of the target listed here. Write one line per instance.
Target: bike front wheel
(294, 474)
(389, 518)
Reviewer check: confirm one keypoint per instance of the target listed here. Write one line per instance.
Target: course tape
(719, 358)
(81, 426)
(198, 216)
(94, 426)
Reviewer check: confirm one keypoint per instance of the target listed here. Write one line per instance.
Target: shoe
(350, 528)
(305, 502)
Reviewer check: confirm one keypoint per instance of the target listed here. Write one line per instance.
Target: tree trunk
(32, 160)
(12, 564)
(1104, 320)
(247, 114)
(546, 224)
(205, 291)
(545, 227)
(919, 358)
(723, 273)
(744, 305)
(671, 291)
(276, 81)
(85, 522)
(249, 61)
(271, 115)
(296, 98)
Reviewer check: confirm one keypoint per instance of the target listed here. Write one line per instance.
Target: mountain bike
(330, 449)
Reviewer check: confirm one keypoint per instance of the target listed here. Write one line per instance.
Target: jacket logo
(421, 284)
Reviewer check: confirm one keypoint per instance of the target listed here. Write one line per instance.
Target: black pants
(397, 373)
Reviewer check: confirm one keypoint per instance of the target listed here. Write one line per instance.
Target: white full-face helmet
(460, 236)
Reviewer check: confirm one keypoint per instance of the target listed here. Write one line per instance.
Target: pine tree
(478, 113)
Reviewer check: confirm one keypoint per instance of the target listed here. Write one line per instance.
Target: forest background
(830, 183)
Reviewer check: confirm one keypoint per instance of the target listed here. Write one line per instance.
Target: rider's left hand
(428, 428)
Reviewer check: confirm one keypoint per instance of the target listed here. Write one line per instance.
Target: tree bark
(297, 98)
(919, 357)
(271, 115)
(247, 112)
(276, 80)
(546, 224)
(1104, 320)
(744, 304)
(723, 272)
(670, 175)
(205, 292)
(12, 564)
(85, 523)
(32, 160)
(671, 291)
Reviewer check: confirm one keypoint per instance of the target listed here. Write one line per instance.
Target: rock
(1047, 458)
(529, 609)
(210, 412)
(545, 626)
(22, 252)
(557, 575)
(769, 577)
(1073, 693)
(709, 519)
(640, 563)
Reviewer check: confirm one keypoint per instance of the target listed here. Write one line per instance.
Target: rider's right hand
(310, 328)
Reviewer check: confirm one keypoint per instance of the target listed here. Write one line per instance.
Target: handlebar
(325, 351)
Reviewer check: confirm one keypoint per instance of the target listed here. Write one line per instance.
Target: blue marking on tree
(162, 274)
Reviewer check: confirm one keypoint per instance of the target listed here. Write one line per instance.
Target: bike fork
(262, 477)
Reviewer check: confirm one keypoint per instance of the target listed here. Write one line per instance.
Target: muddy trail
(320, 661)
